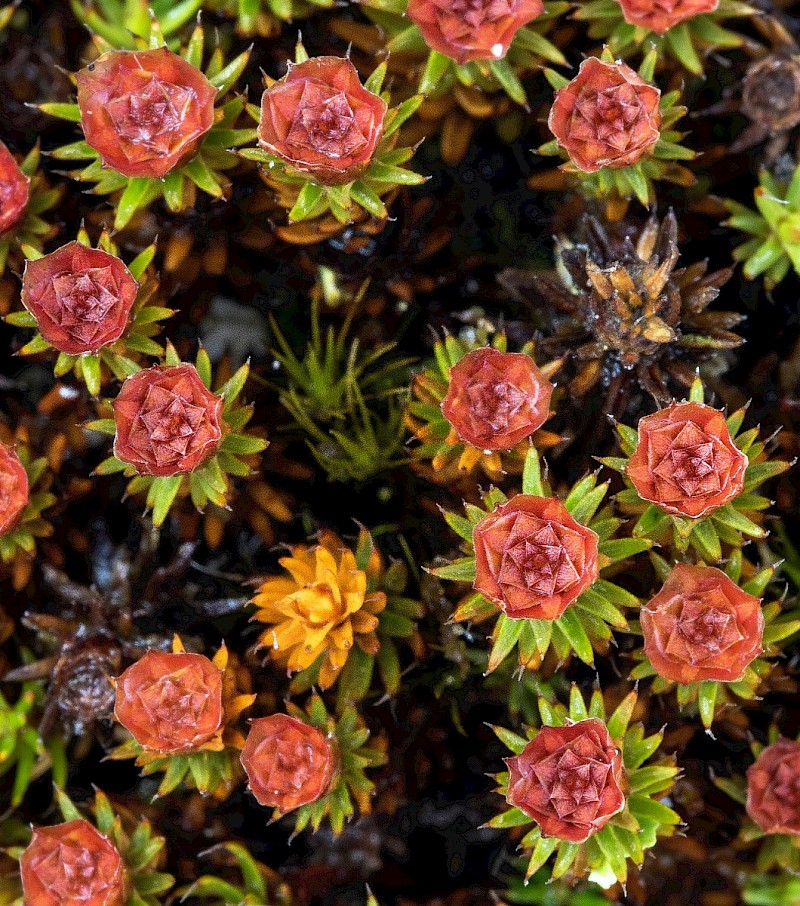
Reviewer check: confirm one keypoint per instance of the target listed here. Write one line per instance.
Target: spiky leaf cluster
(727, 525)
(773, 248)
(205, 171)
(686, 44)
(586, 625)
(606, 855)
(637, 180)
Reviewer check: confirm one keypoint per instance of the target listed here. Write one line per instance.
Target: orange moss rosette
(144, 112)
(72, 863)
(321, 609)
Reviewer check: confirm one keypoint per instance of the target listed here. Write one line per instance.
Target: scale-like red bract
(81, 297)
(167, 421)
(321, 120)
(496, 399)
(532, 558)
(569, 780)
(467, 30)
(607, 116)
(288, 762)
(686, 461)
(145, 112)
(170, 702)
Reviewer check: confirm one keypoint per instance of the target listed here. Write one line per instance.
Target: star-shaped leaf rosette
(773, 246)
(615, 127)
(685, 31)
(255, 883)
(156, 124)
(25, 196)
(24, 496)
(707, 634)
(584, 779)
(479, 44)
(175, 437)
(692, 476)
(181, 710)
(537, 561)
(480, 407)
(770, 794)
(112, 860)
(337, 615)
(127, 24)
(266, 17)
(327, 142)
(308, 763)
(91, 308)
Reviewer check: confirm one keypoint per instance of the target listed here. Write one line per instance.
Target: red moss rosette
(72, 864)
(167, 421)
(81, 297)
(607, 116)
(15, 188)
(662, 15)
(569, 780)
(701, 626)
(532, 558)
(14, 488)
(144, 112)
(773, 788)
(469, 30)
(170, 702)
(686, 462)
(288, 762)
(321, 120)
(496, 399)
